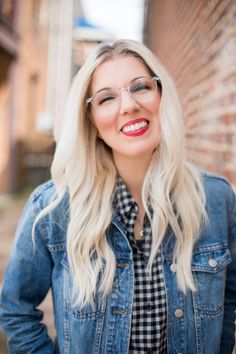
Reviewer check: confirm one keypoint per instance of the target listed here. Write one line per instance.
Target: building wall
(35, 76)
(196, 41)
(32, 67)
(5, 63)
(8, 55)
(23, 83)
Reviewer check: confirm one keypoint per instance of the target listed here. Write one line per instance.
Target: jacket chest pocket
(209, 267)
(88, 312)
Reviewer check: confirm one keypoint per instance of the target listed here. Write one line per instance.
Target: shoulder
(44, 195)
(44, 191)
(215, 183)
(219, 193)
(53, 212)
(213, 178)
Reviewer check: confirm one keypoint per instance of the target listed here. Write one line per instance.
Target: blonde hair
(84, 166)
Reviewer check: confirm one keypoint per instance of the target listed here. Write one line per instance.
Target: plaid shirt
(148, 330)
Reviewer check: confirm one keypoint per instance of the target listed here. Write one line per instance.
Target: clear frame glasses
(143, 90)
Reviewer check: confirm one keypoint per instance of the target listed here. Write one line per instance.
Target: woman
(137, 245)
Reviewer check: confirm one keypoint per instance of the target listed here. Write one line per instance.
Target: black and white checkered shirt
(148, 331)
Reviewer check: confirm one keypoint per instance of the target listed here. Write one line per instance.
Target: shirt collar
(124, 201)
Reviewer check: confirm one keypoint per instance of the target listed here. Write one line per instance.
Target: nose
(127, 102)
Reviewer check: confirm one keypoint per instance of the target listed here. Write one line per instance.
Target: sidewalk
(10, 211)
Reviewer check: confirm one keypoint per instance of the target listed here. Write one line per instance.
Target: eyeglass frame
(154, 78)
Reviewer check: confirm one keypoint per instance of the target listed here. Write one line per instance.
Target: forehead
(117, 72)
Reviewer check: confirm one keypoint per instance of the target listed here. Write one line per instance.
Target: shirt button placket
(149, 307)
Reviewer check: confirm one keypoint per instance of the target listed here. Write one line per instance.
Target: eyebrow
(108, 88)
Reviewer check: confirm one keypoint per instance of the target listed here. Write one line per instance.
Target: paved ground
(10, 210)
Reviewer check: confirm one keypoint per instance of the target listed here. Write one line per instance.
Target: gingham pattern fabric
(148, 330)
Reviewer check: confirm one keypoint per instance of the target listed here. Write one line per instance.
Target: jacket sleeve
(228, 334)
(26, 282)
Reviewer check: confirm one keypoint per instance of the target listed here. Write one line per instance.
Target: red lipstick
(135, 127)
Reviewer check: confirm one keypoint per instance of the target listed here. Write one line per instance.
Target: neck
(133, 173)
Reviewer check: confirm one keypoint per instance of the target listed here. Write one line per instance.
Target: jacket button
(179, 313)
(212, 263)
(173, 267)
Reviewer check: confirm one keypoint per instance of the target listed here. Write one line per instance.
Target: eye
(140, 87)
(106, 97)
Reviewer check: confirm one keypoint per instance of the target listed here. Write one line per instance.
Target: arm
(26, 282)
(228, 334)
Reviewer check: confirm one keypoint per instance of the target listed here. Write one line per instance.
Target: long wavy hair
(83, 166)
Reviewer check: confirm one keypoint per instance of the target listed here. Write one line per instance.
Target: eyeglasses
(143, 90)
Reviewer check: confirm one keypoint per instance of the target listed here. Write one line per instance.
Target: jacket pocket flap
(211, 261)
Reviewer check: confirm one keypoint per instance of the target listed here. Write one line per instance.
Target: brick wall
(196, 40)
(23, 82)
(5, 62)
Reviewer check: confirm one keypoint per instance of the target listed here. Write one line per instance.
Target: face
(133, 131)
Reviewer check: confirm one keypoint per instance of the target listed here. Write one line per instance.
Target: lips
(135, 127)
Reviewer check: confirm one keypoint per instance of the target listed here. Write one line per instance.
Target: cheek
(154, 106)
(103, 124)
(152, 111)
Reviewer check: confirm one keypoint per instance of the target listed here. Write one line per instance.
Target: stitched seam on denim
(213, 247)
(40, 223)
(55, 222)
(86, 316)
(57, 247)
(42, 188)
(233, 213)
(209, 269)
(66, 319)
(65, 264)
(119, 278)
(209, 312)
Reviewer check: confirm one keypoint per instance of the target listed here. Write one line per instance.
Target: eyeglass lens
(141, 90)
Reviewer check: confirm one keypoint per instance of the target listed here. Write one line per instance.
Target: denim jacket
(200, 322)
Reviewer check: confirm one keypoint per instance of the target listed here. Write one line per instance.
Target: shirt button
(179, 313)
(148, 307)
(212, 263)
(173, 267)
